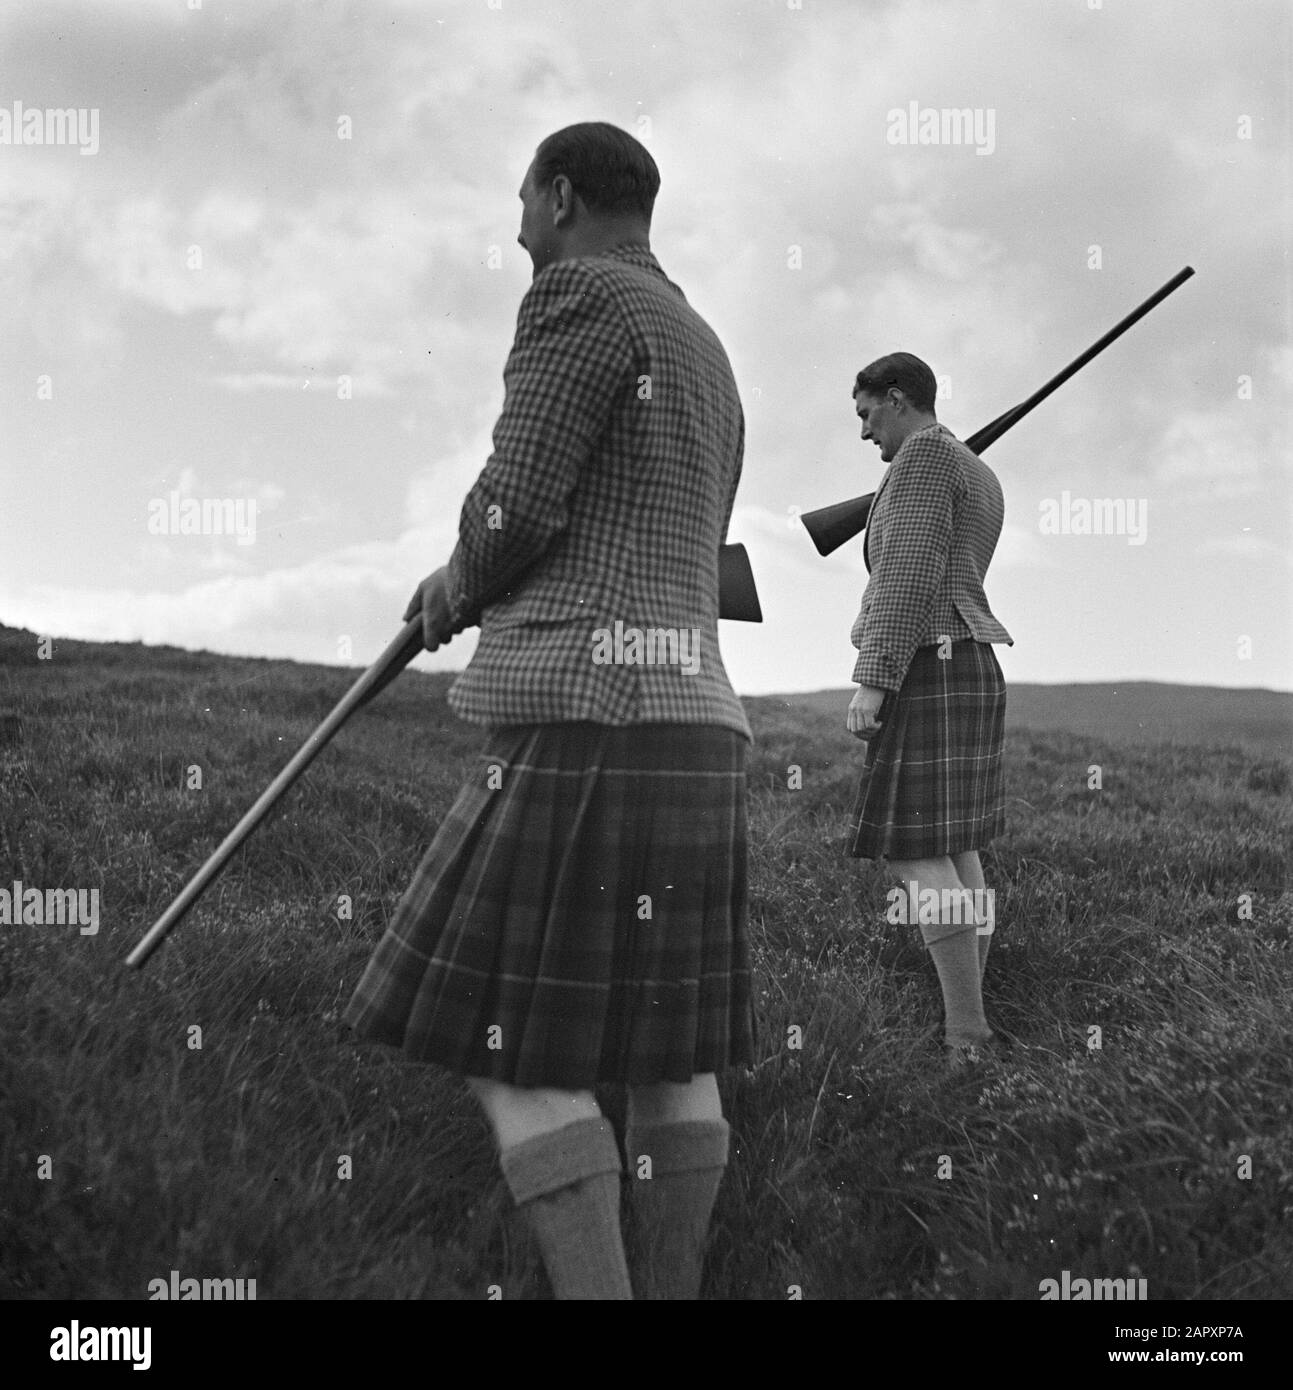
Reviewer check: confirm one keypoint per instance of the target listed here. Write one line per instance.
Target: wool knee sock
(672, 1207)
(955, 951)
(970, 872)
(568, 1184)
(984, 941)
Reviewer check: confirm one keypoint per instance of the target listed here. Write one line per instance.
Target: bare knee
(946, 892)
(518, 1113)
(968, 868)
(938, 872)
(668, 1102)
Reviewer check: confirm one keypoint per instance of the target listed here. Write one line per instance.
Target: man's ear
(562, 200)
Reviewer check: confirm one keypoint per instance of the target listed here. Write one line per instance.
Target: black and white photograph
(646, 653)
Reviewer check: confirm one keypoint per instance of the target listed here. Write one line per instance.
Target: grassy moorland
(1156, 910)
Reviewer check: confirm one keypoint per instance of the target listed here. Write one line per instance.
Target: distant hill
(1132, 712)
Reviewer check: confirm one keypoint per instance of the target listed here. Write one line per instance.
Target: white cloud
(1219, 447)
(300, 612)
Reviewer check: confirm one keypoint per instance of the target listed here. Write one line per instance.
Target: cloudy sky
(277, 264)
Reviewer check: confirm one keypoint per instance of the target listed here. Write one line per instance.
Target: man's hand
(865, 705)
(432, 601)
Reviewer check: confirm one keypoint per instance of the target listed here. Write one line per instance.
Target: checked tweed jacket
(933, 526)
(606, 498)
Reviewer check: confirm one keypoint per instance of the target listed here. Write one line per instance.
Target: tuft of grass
(1142, 1128)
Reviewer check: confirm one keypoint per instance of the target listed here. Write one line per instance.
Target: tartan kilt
(932, 783)
(580, 916)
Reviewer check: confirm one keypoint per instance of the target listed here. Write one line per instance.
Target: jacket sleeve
(919, 504)
(568, 363)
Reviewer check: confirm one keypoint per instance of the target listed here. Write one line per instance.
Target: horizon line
(750, 695)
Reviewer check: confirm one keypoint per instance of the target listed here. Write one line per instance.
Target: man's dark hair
(610, 170)
(909, 374)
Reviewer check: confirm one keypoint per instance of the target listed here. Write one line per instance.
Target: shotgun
(830, 527)
(738, 600)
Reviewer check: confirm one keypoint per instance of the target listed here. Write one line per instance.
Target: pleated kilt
(580, 916)
(932, 782)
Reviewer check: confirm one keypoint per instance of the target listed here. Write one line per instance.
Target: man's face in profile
(876, 414)
(537, 234)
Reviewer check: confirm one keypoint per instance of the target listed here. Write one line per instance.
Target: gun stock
(738, 599)
(831, 527)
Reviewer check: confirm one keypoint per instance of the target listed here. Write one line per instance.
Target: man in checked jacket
(931, 698)
(580, 915)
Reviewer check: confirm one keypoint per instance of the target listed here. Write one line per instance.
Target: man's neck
(597, 238)
(922, 422)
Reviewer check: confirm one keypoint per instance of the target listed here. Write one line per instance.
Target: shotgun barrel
(378, 674)
(830, 527)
